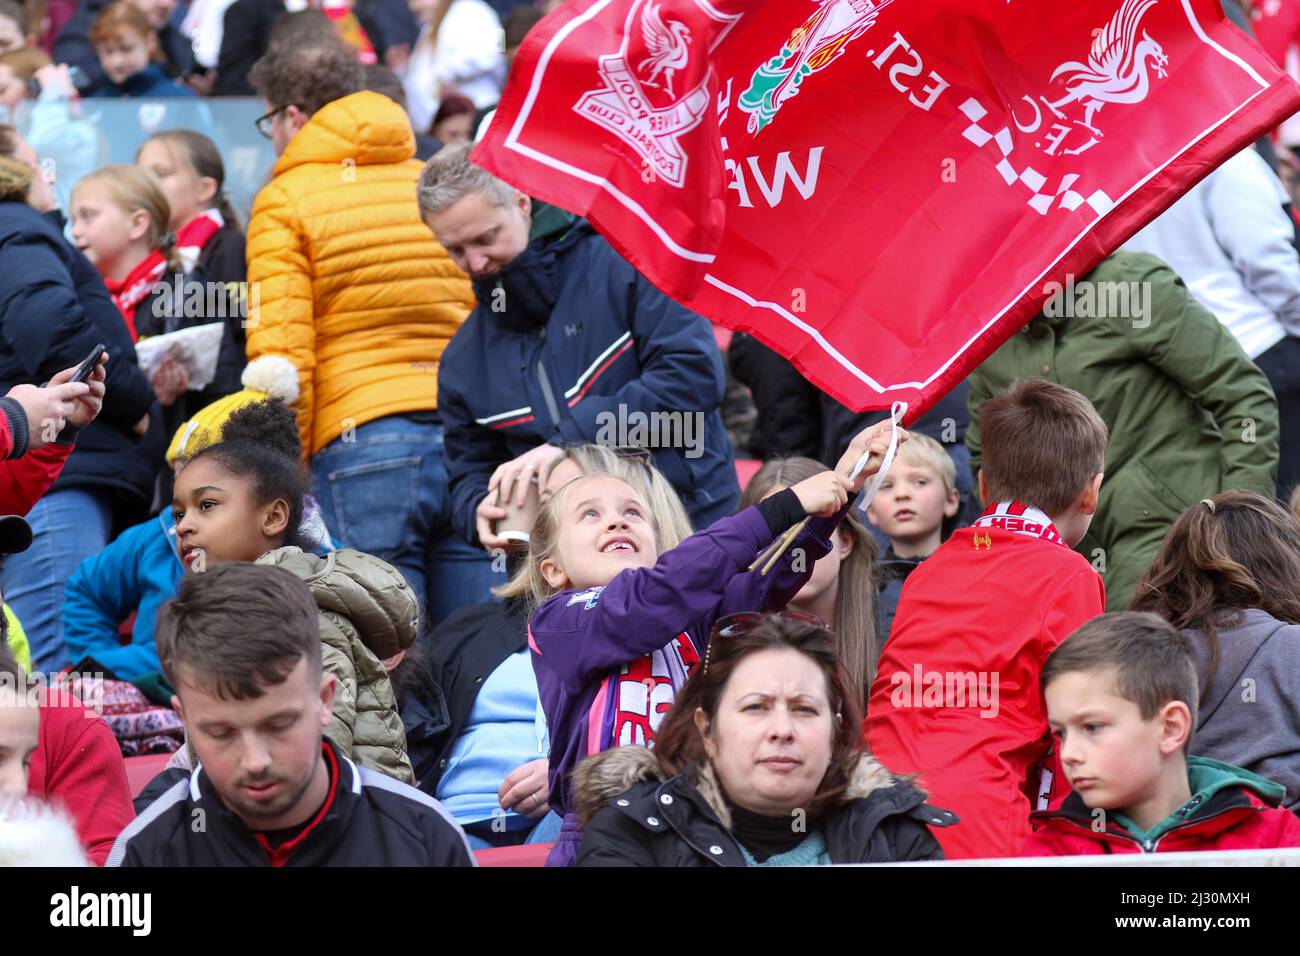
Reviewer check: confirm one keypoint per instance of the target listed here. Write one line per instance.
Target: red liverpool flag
(881, 191)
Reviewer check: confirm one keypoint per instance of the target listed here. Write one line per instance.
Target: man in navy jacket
(568, 344)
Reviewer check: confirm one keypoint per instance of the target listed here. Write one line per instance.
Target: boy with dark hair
(981, 615)
(241, 644)
(1121, 700)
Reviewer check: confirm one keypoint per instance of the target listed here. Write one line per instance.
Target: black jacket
(246, 30)
(891, 574)
(463, 651)
(373, 820)
(171, 308)
(223, 255)
(222, 260)
(797, 418)
(73, 46)
(54, 308)
(678, 822)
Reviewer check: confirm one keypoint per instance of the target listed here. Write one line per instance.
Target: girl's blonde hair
(633, 466)
(854, 626)
(130, 189)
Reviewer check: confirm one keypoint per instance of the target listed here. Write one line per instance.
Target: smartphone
(87, 367)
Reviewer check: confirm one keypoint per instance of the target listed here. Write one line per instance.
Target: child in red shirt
(54, 747)
(956, 696)
(1122, 698)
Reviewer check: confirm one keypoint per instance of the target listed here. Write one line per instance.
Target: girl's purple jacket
(610, 660)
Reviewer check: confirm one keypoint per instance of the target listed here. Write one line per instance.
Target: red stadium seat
(140, 770)
(745, 469)
(534, 855)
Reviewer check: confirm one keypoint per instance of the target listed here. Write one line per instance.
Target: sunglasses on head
(743, 622)
(633, 453)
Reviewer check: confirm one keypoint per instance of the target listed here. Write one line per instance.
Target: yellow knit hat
(269, 376)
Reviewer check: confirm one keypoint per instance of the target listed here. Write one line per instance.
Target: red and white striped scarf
(1022, 519)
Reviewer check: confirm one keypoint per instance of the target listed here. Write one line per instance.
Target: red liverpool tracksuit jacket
(956, 696)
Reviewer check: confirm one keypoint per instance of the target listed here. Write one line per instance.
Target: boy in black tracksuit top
(269, 789)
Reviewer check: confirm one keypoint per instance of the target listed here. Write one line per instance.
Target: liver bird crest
(1117, 67)
(669, 46)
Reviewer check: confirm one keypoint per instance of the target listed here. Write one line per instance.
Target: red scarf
(1022, 519)
(139, 282)
(135, 288)
(194, 235)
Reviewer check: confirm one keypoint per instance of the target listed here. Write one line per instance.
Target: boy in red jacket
(956, 692)
(1121, 699)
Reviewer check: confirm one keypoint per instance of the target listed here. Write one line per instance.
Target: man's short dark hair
(237, 629)
(307, 76)
(1145, 654)
(1040, 443)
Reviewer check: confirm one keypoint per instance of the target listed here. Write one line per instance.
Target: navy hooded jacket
(567, 345)
(54, 308)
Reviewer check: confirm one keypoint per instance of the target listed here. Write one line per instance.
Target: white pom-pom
(35, 834)
(274, 375)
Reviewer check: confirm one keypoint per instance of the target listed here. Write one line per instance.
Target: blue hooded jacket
(151, 81)
(137, 572)
(569, 344)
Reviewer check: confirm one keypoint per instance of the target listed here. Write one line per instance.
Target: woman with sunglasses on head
(622, 620)
(759, 763)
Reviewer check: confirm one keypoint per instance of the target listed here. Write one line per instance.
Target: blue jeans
(481, 836)
(68, 526)
(383, 491)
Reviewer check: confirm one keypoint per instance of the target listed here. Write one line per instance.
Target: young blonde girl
(842, 588)
(487, 771)
(119, 220)
(621, 622)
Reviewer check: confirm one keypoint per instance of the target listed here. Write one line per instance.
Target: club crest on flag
(1119, 68)
(814, 45)
(655, 87)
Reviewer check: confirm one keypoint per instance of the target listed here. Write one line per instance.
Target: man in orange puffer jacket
(349, 285)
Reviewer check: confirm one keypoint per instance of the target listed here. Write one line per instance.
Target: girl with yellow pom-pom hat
(141, 568)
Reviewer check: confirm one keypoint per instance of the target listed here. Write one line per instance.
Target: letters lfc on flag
(878, 190)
